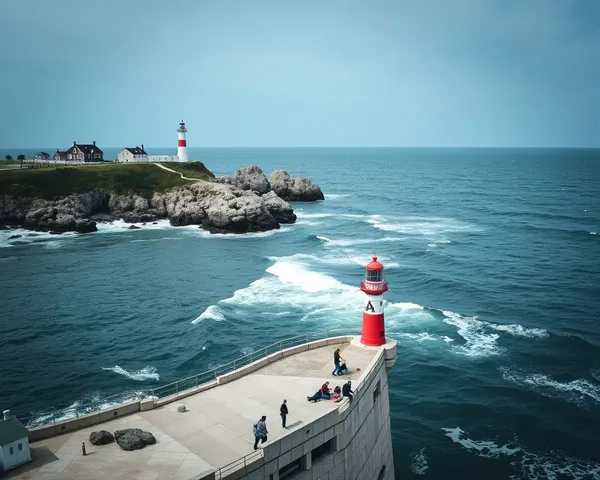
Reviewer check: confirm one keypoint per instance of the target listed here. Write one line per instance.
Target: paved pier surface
(215, 431)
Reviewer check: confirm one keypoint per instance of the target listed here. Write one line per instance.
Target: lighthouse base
(390, 347)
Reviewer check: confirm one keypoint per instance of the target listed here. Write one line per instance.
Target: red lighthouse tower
(374, 285)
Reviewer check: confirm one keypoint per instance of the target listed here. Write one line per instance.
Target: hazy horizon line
(489, 147)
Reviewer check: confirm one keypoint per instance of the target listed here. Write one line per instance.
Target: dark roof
(86, 148)
(136, 151)
(42, 153)
(11, 430)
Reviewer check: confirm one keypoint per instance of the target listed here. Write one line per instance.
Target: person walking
(283, 411)
(260, 431)
(336, 362)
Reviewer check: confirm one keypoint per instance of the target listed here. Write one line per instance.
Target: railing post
(234, 364)
(177, 388)
(76, 413)
(280, 345)
(196, 381)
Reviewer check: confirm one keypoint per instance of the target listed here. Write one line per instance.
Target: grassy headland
(140, 178)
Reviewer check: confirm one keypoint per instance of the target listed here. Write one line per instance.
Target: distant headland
(74, 198)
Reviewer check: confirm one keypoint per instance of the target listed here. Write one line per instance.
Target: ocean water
(493, 261)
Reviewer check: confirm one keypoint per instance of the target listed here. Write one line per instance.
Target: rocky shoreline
(244, 202)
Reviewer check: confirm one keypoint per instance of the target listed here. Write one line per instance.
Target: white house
(163, 158)
(14, 443)
(136, 154)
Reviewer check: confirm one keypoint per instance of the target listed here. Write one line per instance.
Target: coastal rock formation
(279, 208)
(133, 438)
(248, 178)
(102, 437)
(294, 189)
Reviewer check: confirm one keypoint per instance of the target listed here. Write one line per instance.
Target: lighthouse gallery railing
(174, 388)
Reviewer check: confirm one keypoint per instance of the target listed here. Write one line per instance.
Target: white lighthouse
(181, 143)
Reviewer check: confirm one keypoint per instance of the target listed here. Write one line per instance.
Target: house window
(20, 447)
(11, 450)
(377, 390)
(323, 450)
(290, 469)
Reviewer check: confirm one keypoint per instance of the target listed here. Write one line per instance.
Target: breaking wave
(349, 242)
(146, 373)
(580, 391)
(213, 312)
(480, 337)
(553, 465)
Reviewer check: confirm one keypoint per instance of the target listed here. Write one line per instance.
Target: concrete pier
(213, 438)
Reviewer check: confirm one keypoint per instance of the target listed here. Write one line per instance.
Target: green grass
(54, 182)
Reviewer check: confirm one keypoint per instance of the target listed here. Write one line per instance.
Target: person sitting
(325, 392)
(347, 390)
(343, 369)
(337, 394)
(316, 397)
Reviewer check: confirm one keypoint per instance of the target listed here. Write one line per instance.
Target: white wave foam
(146, 373)
(404, 305)
(28, 237)
(531, 465)
(120, 225)
(335, 196)
(579, 391)
(595, 373)
(213, 312)
(447, 339)
(337, 258)
(593, 233)
(418, 462)
(484, 448)
(156, 239)
(433, 228)
(419, 337)
(89, 404)
(247, 351)
(294, 274)
(479, 340)
(349, 242)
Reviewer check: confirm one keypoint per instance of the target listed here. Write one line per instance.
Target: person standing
(336, 362)
(283, 411)
(260, 431)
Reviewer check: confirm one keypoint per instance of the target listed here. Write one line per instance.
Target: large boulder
(102, 437)
(133, 438)
(279, 208)
(248, 178)
(294, 189)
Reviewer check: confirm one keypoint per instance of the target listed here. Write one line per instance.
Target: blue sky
(306, 73)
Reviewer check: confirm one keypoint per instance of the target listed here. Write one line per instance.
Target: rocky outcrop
(249, 178)
(102, 437)
(294, 189)
(134, 439)
(217, 208)
(279, 208)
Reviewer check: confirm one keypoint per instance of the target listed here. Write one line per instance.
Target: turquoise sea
(493, 261)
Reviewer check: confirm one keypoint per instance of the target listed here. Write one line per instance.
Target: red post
(83, 448)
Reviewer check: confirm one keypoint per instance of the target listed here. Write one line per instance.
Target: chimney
(6, 415)
(142, 146)
(94, 142)
(74, 143)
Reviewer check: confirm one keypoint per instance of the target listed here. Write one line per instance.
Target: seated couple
(325, 394)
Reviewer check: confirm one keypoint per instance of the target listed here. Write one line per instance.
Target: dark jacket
(283, 409)
(346, 390)
(336, 357)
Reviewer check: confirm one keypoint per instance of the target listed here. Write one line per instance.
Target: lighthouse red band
(181, 143)
(374, 286)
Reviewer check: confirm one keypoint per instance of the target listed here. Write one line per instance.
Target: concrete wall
(83, 421)
(362, 440)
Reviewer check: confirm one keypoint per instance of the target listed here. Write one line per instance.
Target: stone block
(258, 474)
(317, 440)
(271, 451)
(328, 434)
(286, 443)
(328, 463)
(147, 404)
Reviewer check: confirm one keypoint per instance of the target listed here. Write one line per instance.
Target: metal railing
(175, 388)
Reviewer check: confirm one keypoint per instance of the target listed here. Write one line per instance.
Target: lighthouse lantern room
(374, 285)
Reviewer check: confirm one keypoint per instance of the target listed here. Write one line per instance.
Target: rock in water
(279, 208)
(133, 438)
(294, 189)
(248, 178)
(102, 437)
